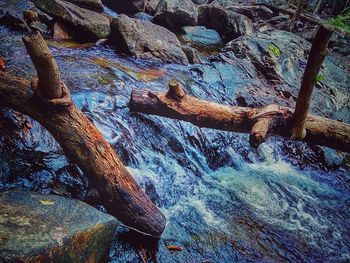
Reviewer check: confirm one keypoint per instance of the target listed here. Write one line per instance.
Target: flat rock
(51, 228)
(87, 24)
(174, 14)
(94, 5)
(146, 40)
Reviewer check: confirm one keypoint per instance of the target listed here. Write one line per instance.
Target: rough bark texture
(84, 145)
(45, 65)
(317, 55)
(259, 122)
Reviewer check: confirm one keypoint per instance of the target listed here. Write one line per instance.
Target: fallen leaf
(47, 202)
(2, 64)
(174, 248)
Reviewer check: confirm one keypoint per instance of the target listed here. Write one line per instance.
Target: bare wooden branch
(175, 90)
(297, 14)
(271, 119)
(317, 55)
(45, 65)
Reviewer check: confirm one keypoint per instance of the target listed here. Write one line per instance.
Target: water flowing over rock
(46, 228)
(86, 23)
(146, 40)
(229, 24)
(126, 6)
(175, 14)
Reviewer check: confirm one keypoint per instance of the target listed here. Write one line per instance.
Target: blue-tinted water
(224, 201)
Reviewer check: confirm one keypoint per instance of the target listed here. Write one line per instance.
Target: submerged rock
(146, 40)
(229, 24)
(51, 228)
(126, 6)
(175, 14)
(86, 23)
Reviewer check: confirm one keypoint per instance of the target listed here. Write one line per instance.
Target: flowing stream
(224, 201)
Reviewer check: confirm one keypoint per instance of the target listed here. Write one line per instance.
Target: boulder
(229, 24)
(275, 54)
(146, 40)
(86, 23)
(174, 14)
(126, 6)
(94, 5)
(143, 16)
(61, 31)
(255, 13)
(51, 228)
(200, 35)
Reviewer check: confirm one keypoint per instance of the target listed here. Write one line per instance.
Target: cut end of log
(175, 90)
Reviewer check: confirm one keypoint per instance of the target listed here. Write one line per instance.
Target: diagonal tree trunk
(82, 143)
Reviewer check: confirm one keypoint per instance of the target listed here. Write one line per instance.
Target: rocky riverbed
(224, 201)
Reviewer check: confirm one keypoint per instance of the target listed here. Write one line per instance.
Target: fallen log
(259, 122)
(84, 146)
(305, 17)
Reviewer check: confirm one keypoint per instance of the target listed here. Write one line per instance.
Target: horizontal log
(259, 122)
(305, 17)
(84, 146)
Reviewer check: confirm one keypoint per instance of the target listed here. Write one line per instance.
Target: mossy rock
(51, 228)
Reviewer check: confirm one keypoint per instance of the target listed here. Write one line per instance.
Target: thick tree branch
(317, 55)
(82, 143)
(259, 122)
(46, 66)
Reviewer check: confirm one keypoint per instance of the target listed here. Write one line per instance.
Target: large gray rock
(200, 35)
(126, 6)
(146, 40)
(94, 5)
(255, 12)
(51, 228)
(86, 23)
(174, 14)
(229, 24)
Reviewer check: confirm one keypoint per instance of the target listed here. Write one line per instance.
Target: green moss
(275, 50)
(319, 78)
(341, 22)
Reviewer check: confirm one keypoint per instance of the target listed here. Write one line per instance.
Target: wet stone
(51, 228)
(201, 35)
